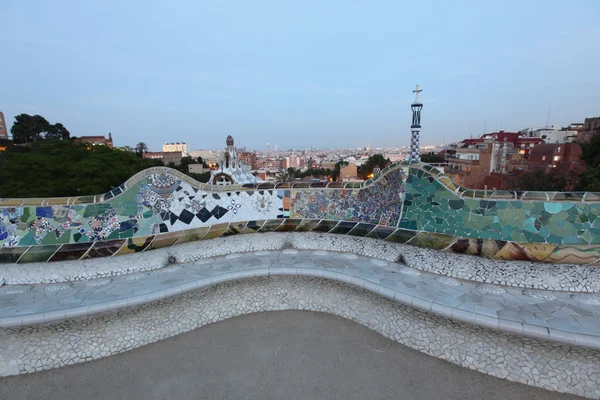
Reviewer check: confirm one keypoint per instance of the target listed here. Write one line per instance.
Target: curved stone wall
(534, 362)
(405, 203)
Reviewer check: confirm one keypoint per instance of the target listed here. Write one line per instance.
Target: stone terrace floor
(571, 318)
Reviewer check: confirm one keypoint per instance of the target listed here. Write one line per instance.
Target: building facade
(472, 161)
(349, 172)
(295, 162)
(176, 147)
(196, 169)
(248, 158)
(96, 140)
(3, 128)
(167, 157)
(562, 156)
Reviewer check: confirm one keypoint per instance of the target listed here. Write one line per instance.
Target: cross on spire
(417, 90)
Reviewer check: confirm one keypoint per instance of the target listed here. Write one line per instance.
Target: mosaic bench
(405, 203)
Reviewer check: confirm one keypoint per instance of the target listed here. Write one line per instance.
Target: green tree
(201, 161)
(286, 175)
(54, 168)
(432, 158)
(58, 131)
(141, 148)
(376, 160)
(32, 128)
(590, 179)
(556, 180)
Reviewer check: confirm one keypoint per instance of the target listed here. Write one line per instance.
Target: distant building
(3, 129)
(195, 168)
(471, 161)
(348, 172)
(167, 157)
(231, 170)
(552, 134)
(270, 164)
(591, 127)
(248, 158)
(295, 162)
(564, 156)
(96, 140)
(210, 157)
(395, 157)
(591, 124)
(175, 147)
(327, 165)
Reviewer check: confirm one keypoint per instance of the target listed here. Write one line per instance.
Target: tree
(201, 161)
(556, 180)
(376, 160)
(591, 152)
(29, 128)
(285, 175)
(432, 158)
(184, 164)
(55, 168)
(141, 148)
(58, 131)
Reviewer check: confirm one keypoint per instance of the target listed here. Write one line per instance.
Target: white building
(231, 171)
(551, 134)
(181, 147)
(196, 168)
(210, 157)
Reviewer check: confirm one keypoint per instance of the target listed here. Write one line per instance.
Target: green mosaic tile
(38, 254)
(70, 252)
(11, 254)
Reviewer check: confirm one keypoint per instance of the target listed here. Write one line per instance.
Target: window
(543, 158)
(556, 158)
(557, 149)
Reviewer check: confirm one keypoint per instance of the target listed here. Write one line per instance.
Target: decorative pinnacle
(417, 91)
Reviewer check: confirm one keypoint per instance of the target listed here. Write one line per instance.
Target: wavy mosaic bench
(405, 203)
(400, 262)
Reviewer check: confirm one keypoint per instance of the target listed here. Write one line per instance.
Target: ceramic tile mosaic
(430, 206)
(161, 207)
(381, 203)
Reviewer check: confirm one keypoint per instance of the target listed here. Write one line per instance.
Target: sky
(326, 74)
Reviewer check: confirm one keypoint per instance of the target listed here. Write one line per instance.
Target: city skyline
(327, 76)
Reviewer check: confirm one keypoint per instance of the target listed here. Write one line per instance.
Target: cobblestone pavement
(276, 355)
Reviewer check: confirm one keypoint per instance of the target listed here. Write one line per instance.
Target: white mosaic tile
(491, 289)
(534, 362)
(233, 256)
(446, 280)
(97, 282)
(169, 269)
(409, 271)
(56, 287)
(349, 256)
(379, 263)
(539, 294)
(14, 289)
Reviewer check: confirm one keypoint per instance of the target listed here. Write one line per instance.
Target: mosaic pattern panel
(430, 206)
(414, 204)
(381, 203)
(157, 204)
